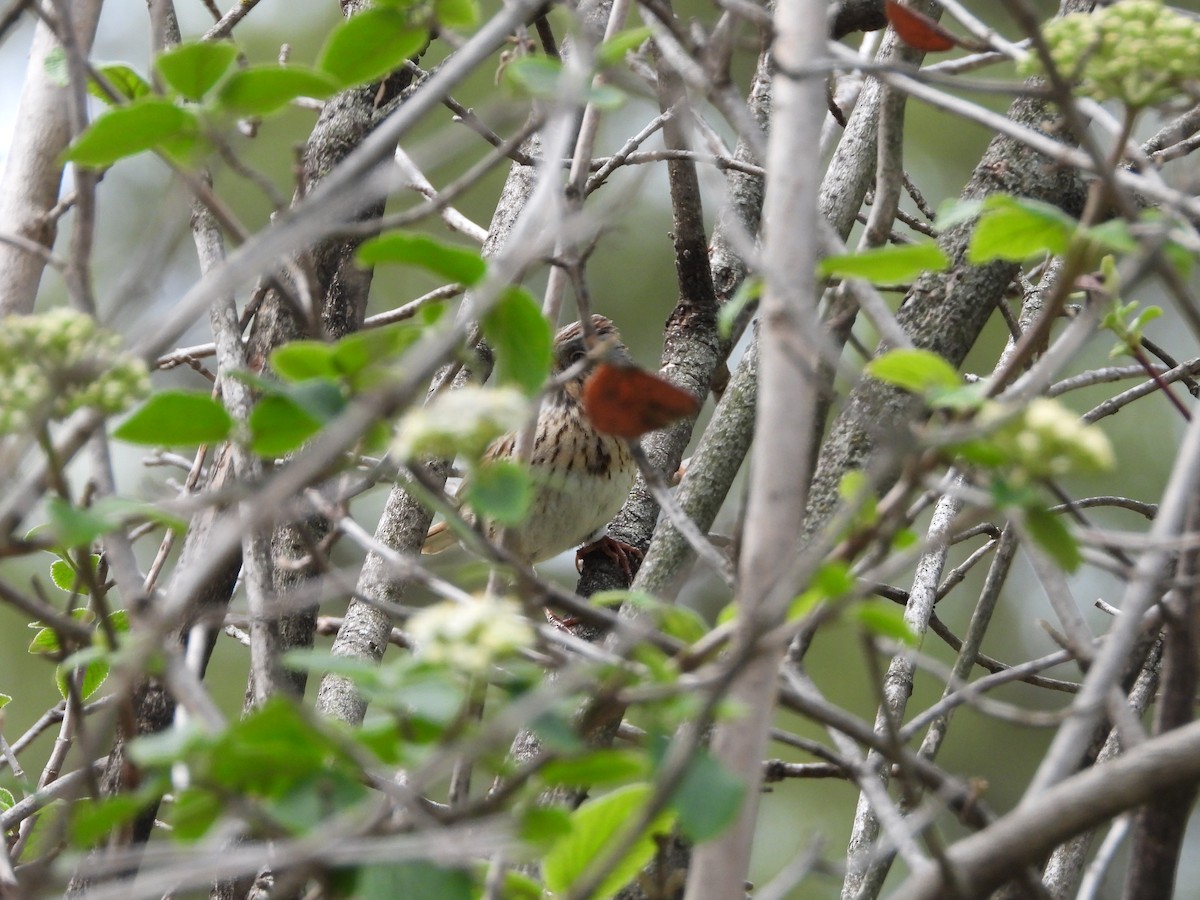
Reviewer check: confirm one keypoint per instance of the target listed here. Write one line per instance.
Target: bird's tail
(440, 537)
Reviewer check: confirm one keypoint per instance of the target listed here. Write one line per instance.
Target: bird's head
(573, 350)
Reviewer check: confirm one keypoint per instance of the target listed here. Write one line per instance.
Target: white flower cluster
(461, 421)
(1048, 440)
(1136, 51)
(470, 637)
(57, 362)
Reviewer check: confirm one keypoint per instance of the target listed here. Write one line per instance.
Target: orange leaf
(917, 29)
(628, 402)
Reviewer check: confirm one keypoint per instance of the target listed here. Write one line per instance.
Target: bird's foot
(618, 551)
(566, 623)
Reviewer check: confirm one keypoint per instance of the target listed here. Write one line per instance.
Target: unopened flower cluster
(461, 421)
(1047, 440)
(55, 363)
(470, 637)
(1135, 51)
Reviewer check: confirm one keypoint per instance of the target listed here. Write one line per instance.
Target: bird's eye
(577, 354)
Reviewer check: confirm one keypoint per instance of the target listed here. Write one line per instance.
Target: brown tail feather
(440, 537)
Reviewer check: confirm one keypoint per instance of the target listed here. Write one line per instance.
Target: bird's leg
(618, 551)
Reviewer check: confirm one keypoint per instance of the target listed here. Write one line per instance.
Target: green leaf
(1016, 228)
(307, 804)
(122, 79)
(96, 819)
(1114, 236)
(193, 813)
(594, 825)
(544, 825)
(885, 265)
(368, 45)
(749, 292)
(66, 577)
(418, 880)
(521, 337)
(195, 67)
(612, 52)
(300, 360)
(708, 798)
(44, 642)
(95, 673)
(55, 67)
(556, 734)
(518, 886)
(918, 371)
(537, 76)
(885, 620)
(176, 418)
(831, 581)
(677, 621)
(269, 752)
(1049, 533)
(5, 699)
(279, 425)
(165, 748)
(456, 13)
(954, 212)
(374, 348)
(258, 90)
(447, 260)
(75, 527)
(597, 768)
(501, 490)
(92, 662)
(128, 130)
(964, 398)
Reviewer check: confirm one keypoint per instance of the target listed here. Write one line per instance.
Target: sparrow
(581, 475)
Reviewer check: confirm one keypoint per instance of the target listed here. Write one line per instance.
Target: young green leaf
(281, 422)
(128, 130)
(300, 360)
(259, 90)
(92, 821)
(176, 418)
(708, 798)
(749, 292)
(447, 260)
(90, 668)
(417, 880)
(914, 370)
(885, 620)
(501, 490)
(1049, 533)
(595, 823)
(76, 527)
(193, 68)
(278, 425)
(544, 825)
(1016, 228)
(194, 812)
(595, 768)
(954, 212)
(535, 76)
(456, 13)
(522, 340)
(889, 264)
(357, 353)
(368, 45)
(121, 78)
(612, 52)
